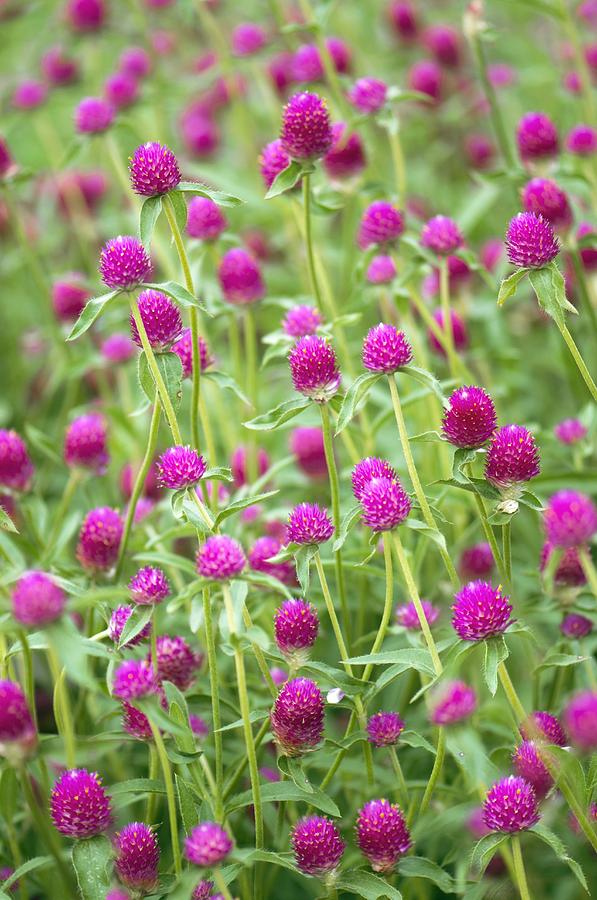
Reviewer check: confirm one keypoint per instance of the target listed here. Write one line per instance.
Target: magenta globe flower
(427, 77)
(133, 679)
(37, 599)
(576, 626)
(510, 805)
(570, 519)
(118, 348)
(443, 43)
(317, 846)
(176, 661)
(93, 115)
(530, 241)
(124, 263)
(512, 457)
(454, 702)
(79, 805)
(528, 764)
(154, 170)
(301, 321)
(544, 197)
(149, 586)
(69, 296)
(309, 523)
(200, 133)
(86, 15)
(118, 620)
(368, 95)
(99, 538)
(205, 220)
(136, 723)
(306, 131)
(580, 718)
(18, 737)
(137, 856)
(570, 431)
(441, 235)
(306, 444)
(480, 611)
(385, 349)
(260, 556)
(29, 94)
(121, 90)
(203, 891)
(408, 618)
(297, 717)
(381, 834)
(459, 332)
(346, 157)
(582, 140)
(470, 417)
(161, 319)
(220, 558)
(366, 470)
(16, 468)
(180, 467)
(476, 562)
(381, 223)
(248, 38)
(381, 270)
(238, 464)
(199, 726)
(296, 626)
(385, 504)
(537, 137)
(480, 150)
(85, 443)
(240, 277)
(314, 369)
(384, 729)
(208, 844)
(542, 725)
(273, 160)
(135, 61)
(569, 571)
(403, 18)
(183, 348)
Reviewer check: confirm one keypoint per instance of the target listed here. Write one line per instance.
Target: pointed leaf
(92, 860)
(347, 524)
(226, 382)
(177, 292)
(243, 503)
(285, 180)
(426, 378)
(201, 190)
(180, 208)
(150, 213)
(550, 290)
(356, 392)
(92, 310)
(367, 885)
(496, 652)
(277, 416)
(553, 841)
(509, 285)
(170, 368)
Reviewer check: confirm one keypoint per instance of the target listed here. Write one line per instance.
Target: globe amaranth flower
(480, 611)
(200, 133)
(381, 834)
(183, 348)
(203, 891)
(479, 149)
(541, 725)
(180, 467)
(208, 844)
(317, 845)
(128, 475)
(135, 61)
(124, 263)
(176, 661)
(510, 805)
(385, 504)
(69, 296)
(314, 369)
(368, 95)
(570, 519)
(346, 157)
(403, 19)
(454, 702)
(427, 77)
(384, 729)
(441, 235)
(537, 137)
(296, 626)
(306, 444)
(470, 417)
(385, 349)
(149, 586)
(199, 726)
(79, 805)
(240, 277)
(381, 223)
(582, 140)
(512, 457)
(85, 443)
(569, 571)
(29, 94)
(408, 617)
(580, 718)
(300, 321)
(239, 464)
(86, 15)
(576, 626)
(118, 620)
(16, 468)
(544, 197)
(37, 599)
(459, 332)
(261, 554)
(588, 254)
(137, 856)
(248, 38)
(570, 431)
(93, 115)
(161, 319)
(297, 717)
(366, 470)
(18, 737)
(528, 764)
(381, 269)
(135, 722)
(121, 90)
(99, 538)
(134, 678)
(118, 348)
(476, 561)
(443, 43)
(154, 170)
(309, 523)
(530, 241)
(220, 558)
(205, 219)
(306, 130)
(273, 159)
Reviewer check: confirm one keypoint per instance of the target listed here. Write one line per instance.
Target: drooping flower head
(454, 702)
(177, 662)
(385, 349)
(368, 95)
(480, 611)
(118, 620)
(529, 765)
(18, 737)
(530, 241)
(570, 519)
(537, 137)
(441, 235)
(180, 467)
(306, 130)
(220, 558)
(16, 468)
(381, 223)
(408, 618)
(297, 717)
(208, 844)
(93, 115)
(512, 457)
(384, 729)
(183, 348)
(161, 319)
(580, 718)
(301, 321)
(273, 160)
(240, 277)
(309, 523)
(314, 369)
(576, 626)
(569, 571)
(296, 626)
(149, 586)
(85, 443)
(317, 845)
(366, 470)
(37, 599)
(470, 417)
(381, 834)
(137, 856)
(99, 538)
(124, 263)
(385, 504)
(306, 443)
(346, 157)
(570, 431)
(510, 805)
(79, 805)
(154, 170)
(134, 678)
(260, 556)
(205, 220)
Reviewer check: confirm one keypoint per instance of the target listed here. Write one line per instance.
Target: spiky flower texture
(79, 805)
(381, 834)
(317, 846)
(154, 170)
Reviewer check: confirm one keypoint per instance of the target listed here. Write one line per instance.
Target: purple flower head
(93, 115)
(588, 255)
(384, 729)
(18, 737)
(135, 61)
(385, 349)
(261, 553)
(580, 717)
(443, 43)
(279, 70)
(86, 15)
(309, 523)
(480, 150)
(296, 626)
(314, 369)
(154, 170)
(470, 418)
(346, 157)
(199, 726)
(85, 443)
(427, 77)
(208, 844)
(307, 64)
(543, 197)
(118, 620)
(306, 131)
(180, 467)
(273, 160)
(161, 318)
(240, 277)
(279, 676)
(480, 611)
(510, 805)
(576, 626)
(205, 220)
(238, 464)
(582, 140)
(569, 571)
(200, 134)
(183, 348)
(176, 661)
(385, 504)
(570, 431)
(134, 678)
(137, 856)
(124, 263)
(297, 717)
(118, 348)
(306, 443)
(29, 94)
(529, 765)
(317, 845)
(530, 241)
(381, 270)
(408, 618)
(476, 562)
(69, 296)
(512, 457)
(37, 599)
(366, 470)
(368, 95)
(381, 223)
(16, 468)
(301, 321)
(128, 475)
(537, 137)
(382, 835)
(543, 726)
(248, 38)
(99, 538)
(403, 19)
(79, 805)
(136, 723)
(570, 519)
(203, 891)
(220, 558)
(58, 67)
(441, 235)
(454, 702)
(121, 90)
(459, 332)
(149, 586)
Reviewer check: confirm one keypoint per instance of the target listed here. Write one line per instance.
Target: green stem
(335, 496)
(444, 295)
(576, 355)
(29, 676)
(388, 601)
(64, 718)
(214, 686)
(309, 242)
(154, 644)
(154, 764)
(170, 795)
(326, 58)
(588, 568)
(584, 292)
(74, 478)
(400, 776)
(243, 762)
(45, 829)
(221, 884)
(521, 878)
(414, 477)
(497, 120)
(251, 380)
(455, 361)
(398, 160)
(414, 596)
(440, 752)
(507, 553)
(489, 533)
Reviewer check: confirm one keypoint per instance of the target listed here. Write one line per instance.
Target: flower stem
(335, 495)
(215, 703)
(170, 796)
(588, 568)
(251, 377)
(440, 752)
(576, 355)
(398, 160)
(488, 532)
(507, 554)
(29, 675)
(444, 295)
(62, 710)
(439, 334)
(521, 877)
(414, 477)
(387, 609)
(400, 776)
(495, 112)
(74, 478)
(414, 596)
(309, 242)
(153, 774)
(221, 884)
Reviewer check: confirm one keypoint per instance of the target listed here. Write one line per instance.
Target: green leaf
(496, 652)
(412, 659)
(553, 660)
(92, 310)
(432, 533)
(553, 841)
(275, 859)
(92, 860)
(42, 442)
(550, 290)
(226, 383)
(417, 741)
(485, 849)
(243, 503)
(277, 416)
(285, 180)
(135, 624)
(6, 523)
(421, 867)
(425, 378)
(9, 792)
(365, 884)
(201, 190)
(138, 786)
(170, 368)
(295, 770)
(348, 522)
(509, 285)
(219, 473)
(179, 713)
(356, 392)
(38, 862)
(177, 292)
(186, 803)
(180, 208)
(303, 557)
(474, 486)
(150, 213)
(284, 791)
